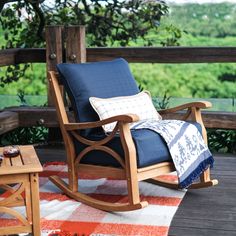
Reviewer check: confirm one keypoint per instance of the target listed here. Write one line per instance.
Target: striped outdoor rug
(61, 215)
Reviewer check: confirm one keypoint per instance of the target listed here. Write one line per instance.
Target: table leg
(35, 203)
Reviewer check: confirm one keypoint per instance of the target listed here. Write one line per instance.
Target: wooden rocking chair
(121, 153)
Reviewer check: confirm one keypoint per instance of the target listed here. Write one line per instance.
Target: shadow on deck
(203, 212)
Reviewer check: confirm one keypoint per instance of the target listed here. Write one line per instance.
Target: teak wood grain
(54, 51)
(23, 170)
(8, 121)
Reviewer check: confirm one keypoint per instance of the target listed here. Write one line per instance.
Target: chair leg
(72, 169)
(205, 176)
(133, 190)
(205, 181)
(72, 178)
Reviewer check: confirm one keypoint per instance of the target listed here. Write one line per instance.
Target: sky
(200, 1)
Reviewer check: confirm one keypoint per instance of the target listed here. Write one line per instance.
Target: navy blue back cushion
(98, 79)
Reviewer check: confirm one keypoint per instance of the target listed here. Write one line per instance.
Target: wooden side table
(21, 170)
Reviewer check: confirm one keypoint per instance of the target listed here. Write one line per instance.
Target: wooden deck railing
(165, 54)
(177, 55)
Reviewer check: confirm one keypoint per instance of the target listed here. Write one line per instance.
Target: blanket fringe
(204, 165)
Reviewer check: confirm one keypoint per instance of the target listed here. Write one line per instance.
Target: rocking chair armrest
(127, 118)
(199, 104)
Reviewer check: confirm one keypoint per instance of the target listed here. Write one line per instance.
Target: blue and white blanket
(190, 154)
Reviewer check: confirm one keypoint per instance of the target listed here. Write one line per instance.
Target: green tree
(209, 19)
(118, 22)
(107, 22)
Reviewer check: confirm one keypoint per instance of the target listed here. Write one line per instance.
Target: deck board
(210, 211)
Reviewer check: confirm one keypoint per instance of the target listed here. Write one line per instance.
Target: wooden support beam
(223, 120)
(8, 121)
(35, 116)
(212, 119)
(22, 55)
(7, 57)
(54, 56)
(54, 51)
(132, 54)
(165, 54)
(32, 55)
(47, 116)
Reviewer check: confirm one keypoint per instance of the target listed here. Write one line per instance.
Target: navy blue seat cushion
(98, 79)
(150, 148)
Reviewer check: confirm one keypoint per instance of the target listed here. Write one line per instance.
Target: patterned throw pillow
(139, 104)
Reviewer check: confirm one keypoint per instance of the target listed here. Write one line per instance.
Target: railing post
(75, 44)
(54, 55)
(54, 51)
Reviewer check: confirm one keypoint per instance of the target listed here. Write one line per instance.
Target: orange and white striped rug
(61, 215)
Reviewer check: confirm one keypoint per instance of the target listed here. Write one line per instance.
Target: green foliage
(32, 83)
(165, 35)
(12, 73)
(222, 140)
(212, 20)
(172, 35)
(26, 135)
(120, 23)
(204, 41)
(192, 80)
(161, 103)
(186, 80)
(21, 96)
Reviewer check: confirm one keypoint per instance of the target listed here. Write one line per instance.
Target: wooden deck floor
(211, 211)
(203, 212)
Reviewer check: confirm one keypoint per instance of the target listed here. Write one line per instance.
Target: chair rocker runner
(133, 155)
